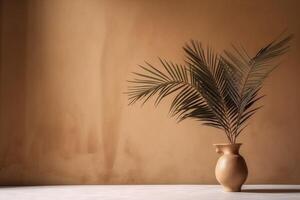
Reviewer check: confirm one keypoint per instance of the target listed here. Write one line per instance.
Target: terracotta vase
(231, 170)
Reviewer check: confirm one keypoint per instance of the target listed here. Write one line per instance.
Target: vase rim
(227, 144)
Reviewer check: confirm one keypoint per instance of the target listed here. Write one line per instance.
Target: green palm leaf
(174, 78)
(249, 74)
(215, 83)
(219, 91)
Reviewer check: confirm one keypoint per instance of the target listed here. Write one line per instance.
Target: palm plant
(218, 90)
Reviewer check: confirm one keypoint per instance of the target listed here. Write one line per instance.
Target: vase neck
(228, 148)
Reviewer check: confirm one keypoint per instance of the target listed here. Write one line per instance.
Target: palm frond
(215, 83)
(249, 74)
(221, 91)
(174, 78)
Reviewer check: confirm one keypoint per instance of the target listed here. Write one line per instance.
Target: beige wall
(65, 119)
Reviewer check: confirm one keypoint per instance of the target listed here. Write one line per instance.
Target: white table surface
(149, 192)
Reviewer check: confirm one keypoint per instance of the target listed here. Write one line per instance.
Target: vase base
(227, 189)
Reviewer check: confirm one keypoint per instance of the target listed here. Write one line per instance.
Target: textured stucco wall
(65, 119)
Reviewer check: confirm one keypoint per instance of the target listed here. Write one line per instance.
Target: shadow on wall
(13, 87)
(50, 126)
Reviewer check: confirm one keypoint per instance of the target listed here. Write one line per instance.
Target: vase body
(231, 169)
